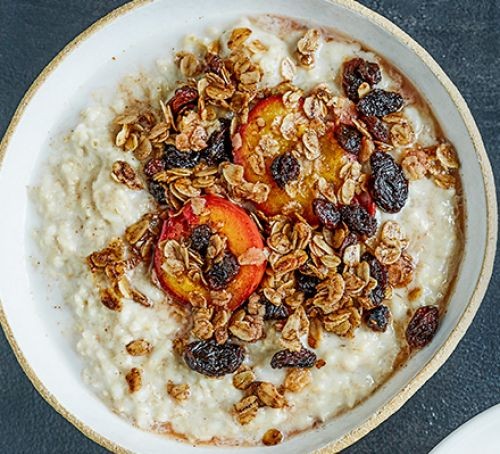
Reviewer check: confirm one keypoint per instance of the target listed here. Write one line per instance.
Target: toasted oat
(248, 328)
(246, 409)
(297, 379)
(270, 396)
(123, 173)
(243, 378)
(238, 37)
(134, 379)
(401, 272)
(447, 156)
(136, 231)
(178, 392)
(139, 347)
(272, 437)
(252, 256)
(342, 322)
(413, 168)
(288, 69)
(111, 299)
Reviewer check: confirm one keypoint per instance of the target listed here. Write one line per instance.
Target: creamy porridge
(285, 209)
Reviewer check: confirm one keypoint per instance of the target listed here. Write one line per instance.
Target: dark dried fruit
(209, 358)
(356, 72)
(219, 148)
(358, 220)
(286, 358)
(327, 213)
(223, 272)
(378, 319)
(379, 273)
(157, 190)
(184, 98)
(349, 138)
(274, 312)
(378, 129)
(285, 168)
(174, 158)
(380, 103)
(422, 326)
(154, 166)
(200, 237)
(306, 283)
(388, 186)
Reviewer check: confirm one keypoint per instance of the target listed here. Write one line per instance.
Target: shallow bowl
(130, 39)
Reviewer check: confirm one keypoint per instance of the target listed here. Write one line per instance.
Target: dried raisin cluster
(212, 359)
(285, 168)
(389, 187)
(221, 273)
(327, 213)
(356, 72)
(422, 326)
(349, 138)
(379, 103)
(303, 358)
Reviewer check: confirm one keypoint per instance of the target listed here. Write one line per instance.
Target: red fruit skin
(241, 233)
(366, 201)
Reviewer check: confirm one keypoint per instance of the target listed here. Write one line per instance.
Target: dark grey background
(464, 37)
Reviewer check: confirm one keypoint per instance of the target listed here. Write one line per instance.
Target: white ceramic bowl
(136, 35)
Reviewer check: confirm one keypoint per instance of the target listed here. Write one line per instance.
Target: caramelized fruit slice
(264, 123)
(242, 234)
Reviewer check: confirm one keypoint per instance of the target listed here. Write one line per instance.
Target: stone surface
(464, 37)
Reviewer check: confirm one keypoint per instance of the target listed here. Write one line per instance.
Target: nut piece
(134, 379)
(270, 396)
(246, 409)
(272, 437)
(123, 173)
(244, 378)
(297, 379)
(138, 347)
(179, 392)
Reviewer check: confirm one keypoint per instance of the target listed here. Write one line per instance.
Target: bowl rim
(394, 404)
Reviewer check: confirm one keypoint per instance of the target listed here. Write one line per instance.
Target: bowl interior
(127, 44)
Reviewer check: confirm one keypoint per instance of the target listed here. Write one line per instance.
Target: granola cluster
(310, 170)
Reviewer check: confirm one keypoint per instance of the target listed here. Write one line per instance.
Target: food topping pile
(267, 202)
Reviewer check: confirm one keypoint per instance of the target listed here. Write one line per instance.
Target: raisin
(219, 148)
(157, 190)
(184, 98)
(380, 103)
(174, 158)
(356, 72)
(223, 272)
(274, 312)
(285, 168)
(349, 138)
(422, 326)
(209, 358)
(377, 319)
(379, 273)
(377, 128)
(306, 283)
(388, 185)
(200, 237)
(327, 213)
(358, 220)
(153, 166)
(286, 358)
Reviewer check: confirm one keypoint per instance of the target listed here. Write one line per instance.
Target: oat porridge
(270, 215)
